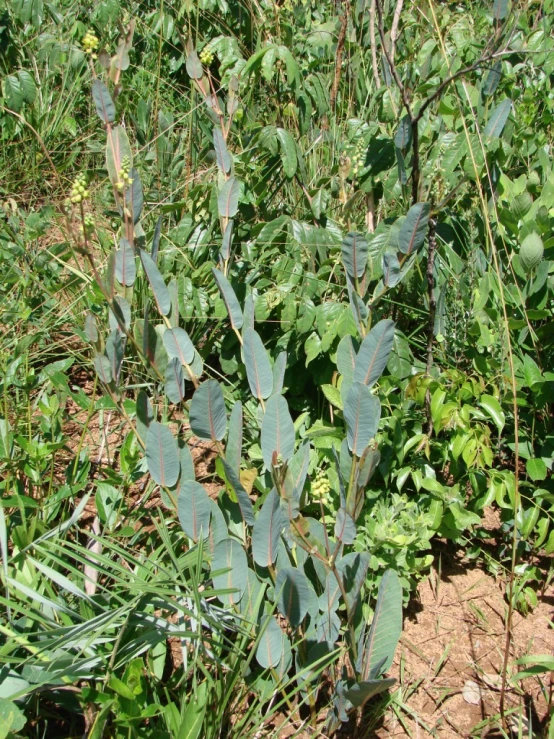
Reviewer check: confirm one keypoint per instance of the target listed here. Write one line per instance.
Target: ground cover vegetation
(314, 242)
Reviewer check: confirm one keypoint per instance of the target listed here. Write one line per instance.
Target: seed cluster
(206, 56)
(124, 174)
(321, 487)
(358, 157)
(79, 190)
(90, 44)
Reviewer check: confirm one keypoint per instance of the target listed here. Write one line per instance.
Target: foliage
(322, 245)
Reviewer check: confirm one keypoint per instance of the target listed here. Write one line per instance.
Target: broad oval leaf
(125, 266)
(162, 455)
(117, 148)
(227, 242)
(229, 298)
(293, 592)
(267, 531)
(103, 102)
(230, 564)
(258, 366)
(374, 353)
(346, 358)
(178, 344)
(362, 412)
(174, 381)
(159, 288)
(277, 431)
(233, 451)
(194, 66)
(361, 692)
(386, 627)
(207, 414)
(222, 155)
(279, 368)
(272, 645)
(103, 368)
(413, 230)
(403, 135)
(228, 198)
(354, 254)
(289, 155)
(345, 528)
(194, 509)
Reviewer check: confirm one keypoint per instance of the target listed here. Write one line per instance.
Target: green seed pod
(531, 251)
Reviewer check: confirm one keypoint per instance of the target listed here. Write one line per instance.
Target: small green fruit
(531, 251)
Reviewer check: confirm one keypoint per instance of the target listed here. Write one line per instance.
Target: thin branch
(394, 27)
(432, 311)
(373, 42)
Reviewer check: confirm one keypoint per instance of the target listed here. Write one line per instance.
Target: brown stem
(338, 55)
(432, 311)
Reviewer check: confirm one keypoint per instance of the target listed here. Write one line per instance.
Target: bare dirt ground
(449, 661)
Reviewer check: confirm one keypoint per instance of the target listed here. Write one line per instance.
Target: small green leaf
(162, 455)
(493, 408)
(207, 415)
(288, 152)
(159, 288)
(333, 395)
(536, 469)
(278, 434)
(498, 118)
(258, 366)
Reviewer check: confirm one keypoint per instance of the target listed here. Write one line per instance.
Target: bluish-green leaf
(271, 646)
(207, 414)
(230, 564)
(103, 102)
(293, 592)
(227, 242)
(194, 509)
(374, 353)
(361, 692)
(403, 135)
(493, 78)
(228, 198)
(174, 381)
(413, 229)
(345, 528)
(267, 530)
(362, 412)
(125, 266)
(279, 368)
(229, 298)
(354, 254)
(162, 455)
(159, 288)
(222, 155)
(194, 66)
(386, 626)
(258, 366)
(233, 451)
(277, 431)
(103, 368)
(178, 344)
